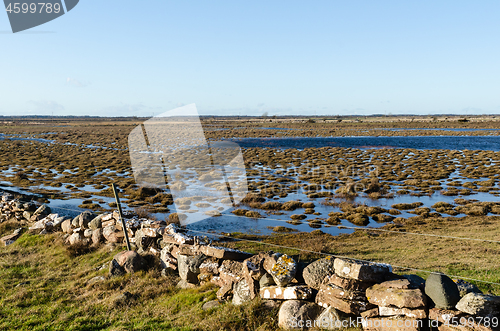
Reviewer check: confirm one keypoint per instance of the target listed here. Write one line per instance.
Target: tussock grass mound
(407, 206)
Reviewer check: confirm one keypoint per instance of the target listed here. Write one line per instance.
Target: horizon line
(254, 116)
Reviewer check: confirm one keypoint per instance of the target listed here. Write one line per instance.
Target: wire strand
(340, 256)
(419, 234)
(339, 227)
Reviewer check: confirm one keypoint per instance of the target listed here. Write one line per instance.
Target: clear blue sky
(126, 58)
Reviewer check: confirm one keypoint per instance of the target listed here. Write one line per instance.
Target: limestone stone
(297, 315)
(75, 238)
(115, 237)
(397, 283)
(143, 239)
(130, 261)
(184, 284)
(107, 231)
(85, 218)
(210, 305)
(463, 327)
(270, 304)
(241, 292)
(329, 319)
(402, 298)
(251, 273)
(75, 223)
(11, 238)
(107, 223)
(253, 270)
(211, 266)
(270, 259)
(41, 225)
(298, 292)
(168, 260)
(480, 304)
(97, 236)
(370, 313)
(42, 210)
(348, 283)
(96, 223)
(374, 272)
(230, 271)
(191, 250)
(392, 324)
(225, 291)
(149, 232)
(66, 226)
(333, 290)
(106, 217)
(325, 299)
(58, 222)
(223, 253)
(283, 270)
(258, 260)
(266, 280)
(27, 215)
(177, 238)
(188, 268)
(412, 313)
(444, 315)
(315, 273)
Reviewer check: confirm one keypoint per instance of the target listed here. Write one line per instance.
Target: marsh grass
(9, 226)
(463, 258)
(80, 166)
(45, 288)
(78, 249)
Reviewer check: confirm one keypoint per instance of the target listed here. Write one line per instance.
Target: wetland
(419, 193)
(302, 174)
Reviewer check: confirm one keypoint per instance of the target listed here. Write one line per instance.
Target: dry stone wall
(329, 293)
